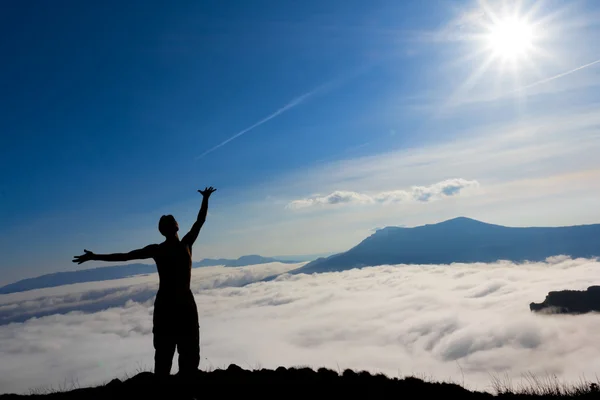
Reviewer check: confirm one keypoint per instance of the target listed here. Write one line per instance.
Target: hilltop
(233, 379)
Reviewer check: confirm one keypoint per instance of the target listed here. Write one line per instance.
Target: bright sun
(508, 46)
(510, 38)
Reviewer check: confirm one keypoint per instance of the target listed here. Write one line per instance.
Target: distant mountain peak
(460, 220)
(462, 240)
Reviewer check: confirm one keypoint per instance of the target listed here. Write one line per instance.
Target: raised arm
(192, 235)
(139, 254)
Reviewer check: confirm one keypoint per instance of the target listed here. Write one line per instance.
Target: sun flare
(508, 46)
(510, 38)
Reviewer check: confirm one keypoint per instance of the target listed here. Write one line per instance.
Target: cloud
(450, 187)
(441, 321)
(502, 154)
(97, 296)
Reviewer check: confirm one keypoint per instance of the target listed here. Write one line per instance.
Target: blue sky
(109, 113)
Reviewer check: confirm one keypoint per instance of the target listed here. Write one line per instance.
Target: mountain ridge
(112, 272)
(461, 239)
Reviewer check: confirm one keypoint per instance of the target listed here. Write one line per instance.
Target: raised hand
(87, 256)
(207, 191)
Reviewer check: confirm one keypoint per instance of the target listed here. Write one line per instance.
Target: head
(167, 226)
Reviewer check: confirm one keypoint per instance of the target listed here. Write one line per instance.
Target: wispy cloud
(447, 188)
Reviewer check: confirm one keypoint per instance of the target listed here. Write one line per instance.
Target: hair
(164, 222)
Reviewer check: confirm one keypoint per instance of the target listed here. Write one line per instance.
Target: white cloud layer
(447, 188)
(439, 321)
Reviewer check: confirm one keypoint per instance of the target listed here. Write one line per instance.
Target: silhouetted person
(175, 317)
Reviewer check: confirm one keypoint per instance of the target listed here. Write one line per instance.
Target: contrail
(298, 100)
(558, 76)
(295, 102)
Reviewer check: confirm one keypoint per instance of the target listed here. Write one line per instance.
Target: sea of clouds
(461, 322)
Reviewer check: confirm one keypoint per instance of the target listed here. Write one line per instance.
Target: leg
(188, 347)
(188, 341)
(164, 345)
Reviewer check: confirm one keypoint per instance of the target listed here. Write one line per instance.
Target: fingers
(207, 190)
(82, 258)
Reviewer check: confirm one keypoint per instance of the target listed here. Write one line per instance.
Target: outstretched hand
(207, 191)
(84, 257)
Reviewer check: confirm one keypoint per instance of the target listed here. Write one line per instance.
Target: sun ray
(506, 47)
(506, 39)
(488, 11)
(466, 58)
(456, 97)
(532, 12)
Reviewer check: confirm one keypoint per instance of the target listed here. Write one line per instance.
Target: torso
(174, 265)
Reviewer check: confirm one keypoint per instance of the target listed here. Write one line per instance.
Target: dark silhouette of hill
(570, 302)
(235, 379)
(462, 240)
(122, 271)
(235, 382)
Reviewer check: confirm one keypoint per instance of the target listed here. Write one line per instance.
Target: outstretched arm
(139, 254)
(192, 235)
